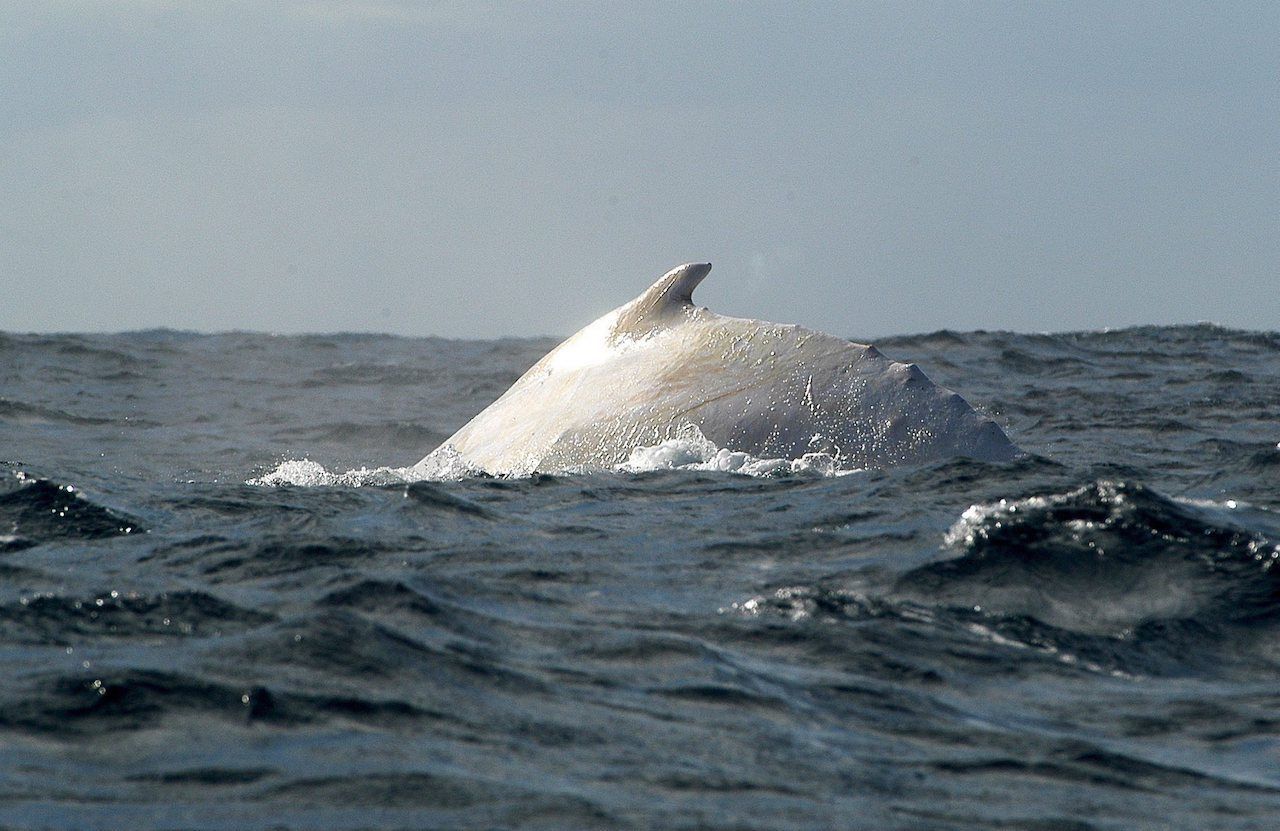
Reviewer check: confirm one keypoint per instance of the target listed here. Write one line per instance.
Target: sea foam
(688, 450)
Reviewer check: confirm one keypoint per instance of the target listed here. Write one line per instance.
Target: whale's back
(771, 390)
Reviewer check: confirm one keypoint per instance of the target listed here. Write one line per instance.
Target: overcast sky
(476, 170)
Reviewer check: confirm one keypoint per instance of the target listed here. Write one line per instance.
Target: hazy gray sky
(472, 169)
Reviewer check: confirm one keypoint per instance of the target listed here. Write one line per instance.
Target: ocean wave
(37, 510)
(1110, 578)
(1109, 557)
(56, 619)
(22, 413)
(1115, 573)
(126, 700)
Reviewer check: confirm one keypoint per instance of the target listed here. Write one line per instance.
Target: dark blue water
(1083, 639)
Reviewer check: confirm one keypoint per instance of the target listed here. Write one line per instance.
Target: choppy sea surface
(224, 604)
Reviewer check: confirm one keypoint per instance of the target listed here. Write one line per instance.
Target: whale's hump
(663, 302)
(657, 366)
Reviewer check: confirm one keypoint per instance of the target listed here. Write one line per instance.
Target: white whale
(645, 371)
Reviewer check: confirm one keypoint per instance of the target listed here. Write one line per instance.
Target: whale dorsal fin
(670, 295)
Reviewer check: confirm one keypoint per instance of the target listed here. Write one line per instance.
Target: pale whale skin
(645, 371)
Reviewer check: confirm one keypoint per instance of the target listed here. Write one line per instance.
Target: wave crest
(1110, 558)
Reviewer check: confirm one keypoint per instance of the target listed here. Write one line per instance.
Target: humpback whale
(657, 366)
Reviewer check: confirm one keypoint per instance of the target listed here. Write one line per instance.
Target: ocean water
(224, 604)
